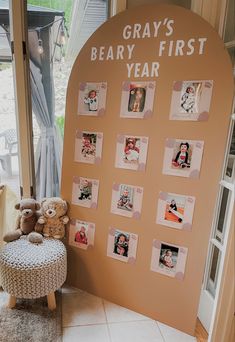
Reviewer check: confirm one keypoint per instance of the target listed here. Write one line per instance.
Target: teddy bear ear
(17, 206)
(43, 200)
(37, 206)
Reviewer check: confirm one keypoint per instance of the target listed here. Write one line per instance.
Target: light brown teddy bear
(53, 218)
(26, 221)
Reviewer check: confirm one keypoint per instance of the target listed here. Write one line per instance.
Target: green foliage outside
(60, 124)
(62, 5)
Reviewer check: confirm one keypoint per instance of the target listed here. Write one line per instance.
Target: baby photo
(88, 147)
(126, 200)
(92, 98)
(81, 234)
(122, 245)
(137, 95)
(175, 211)
(137, 99)
(168, 259)
(191, 100)
(85, 192)
(131, 152)
(190, 97)
(183, 157)
(175, 206)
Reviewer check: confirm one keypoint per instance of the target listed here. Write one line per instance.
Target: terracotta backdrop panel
(134, 285)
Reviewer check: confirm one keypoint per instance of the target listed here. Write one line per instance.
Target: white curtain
(48, 153)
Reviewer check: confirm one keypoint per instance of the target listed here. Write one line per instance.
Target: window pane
(231, 157)
(214, 267)
(222, 210)
(230, 27)
(9, 165)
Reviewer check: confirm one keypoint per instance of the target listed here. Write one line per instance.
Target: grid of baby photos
(81, 234)
(190, 101)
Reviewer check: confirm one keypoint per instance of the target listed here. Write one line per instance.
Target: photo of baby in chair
(125, 201)
(168, 257)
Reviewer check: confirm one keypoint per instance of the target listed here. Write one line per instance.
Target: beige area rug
(30, 320)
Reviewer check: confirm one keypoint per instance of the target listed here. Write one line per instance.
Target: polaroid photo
(85, 192)
(191, 100)
(137, 99)
(183, 157)
(168, 259)
(127, 200)
(81, 234)
(122, 245)
(131, 152)
(92, 98)
(175, 211)
(88, 147)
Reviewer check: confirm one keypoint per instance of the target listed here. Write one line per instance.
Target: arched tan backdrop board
(135, 286)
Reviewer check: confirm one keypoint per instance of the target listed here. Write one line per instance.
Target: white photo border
(204, 103)
(76, 190)
(133, 242)
(148, 106)
(187, 219)
(90, 234)
(102, 87)
(78, 147)
(181, 260)
(119, 160)
(195, 165)
(137, 201)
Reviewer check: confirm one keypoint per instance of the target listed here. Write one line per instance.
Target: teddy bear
(26, 221)
(53, 218)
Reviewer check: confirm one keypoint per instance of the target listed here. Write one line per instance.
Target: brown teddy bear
(26, 221)
(53, 218)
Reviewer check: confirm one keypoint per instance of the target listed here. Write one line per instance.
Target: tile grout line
(109, 333)
(160, 331)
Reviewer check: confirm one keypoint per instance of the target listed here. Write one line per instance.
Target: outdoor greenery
(62, 5)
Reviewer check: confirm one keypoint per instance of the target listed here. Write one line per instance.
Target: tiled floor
(87, 318)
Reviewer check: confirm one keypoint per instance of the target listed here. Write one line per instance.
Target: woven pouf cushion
(33, 270)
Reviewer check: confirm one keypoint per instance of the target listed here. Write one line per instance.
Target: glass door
(9, 165)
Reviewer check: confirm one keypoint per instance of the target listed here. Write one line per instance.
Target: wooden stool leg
(51, 301)
(11, 302)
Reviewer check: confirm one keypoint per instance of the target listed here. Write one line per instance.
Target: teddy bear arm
(17, 224)
(12, 236)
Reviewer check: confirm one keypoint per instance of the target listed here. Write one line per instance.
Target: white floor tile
(173, 335)
(116, 313)
(92, 333)
(142, 331)
(82, 308)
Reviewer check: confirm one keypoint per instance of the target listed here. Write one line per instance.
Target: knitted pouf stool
(29, 270)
